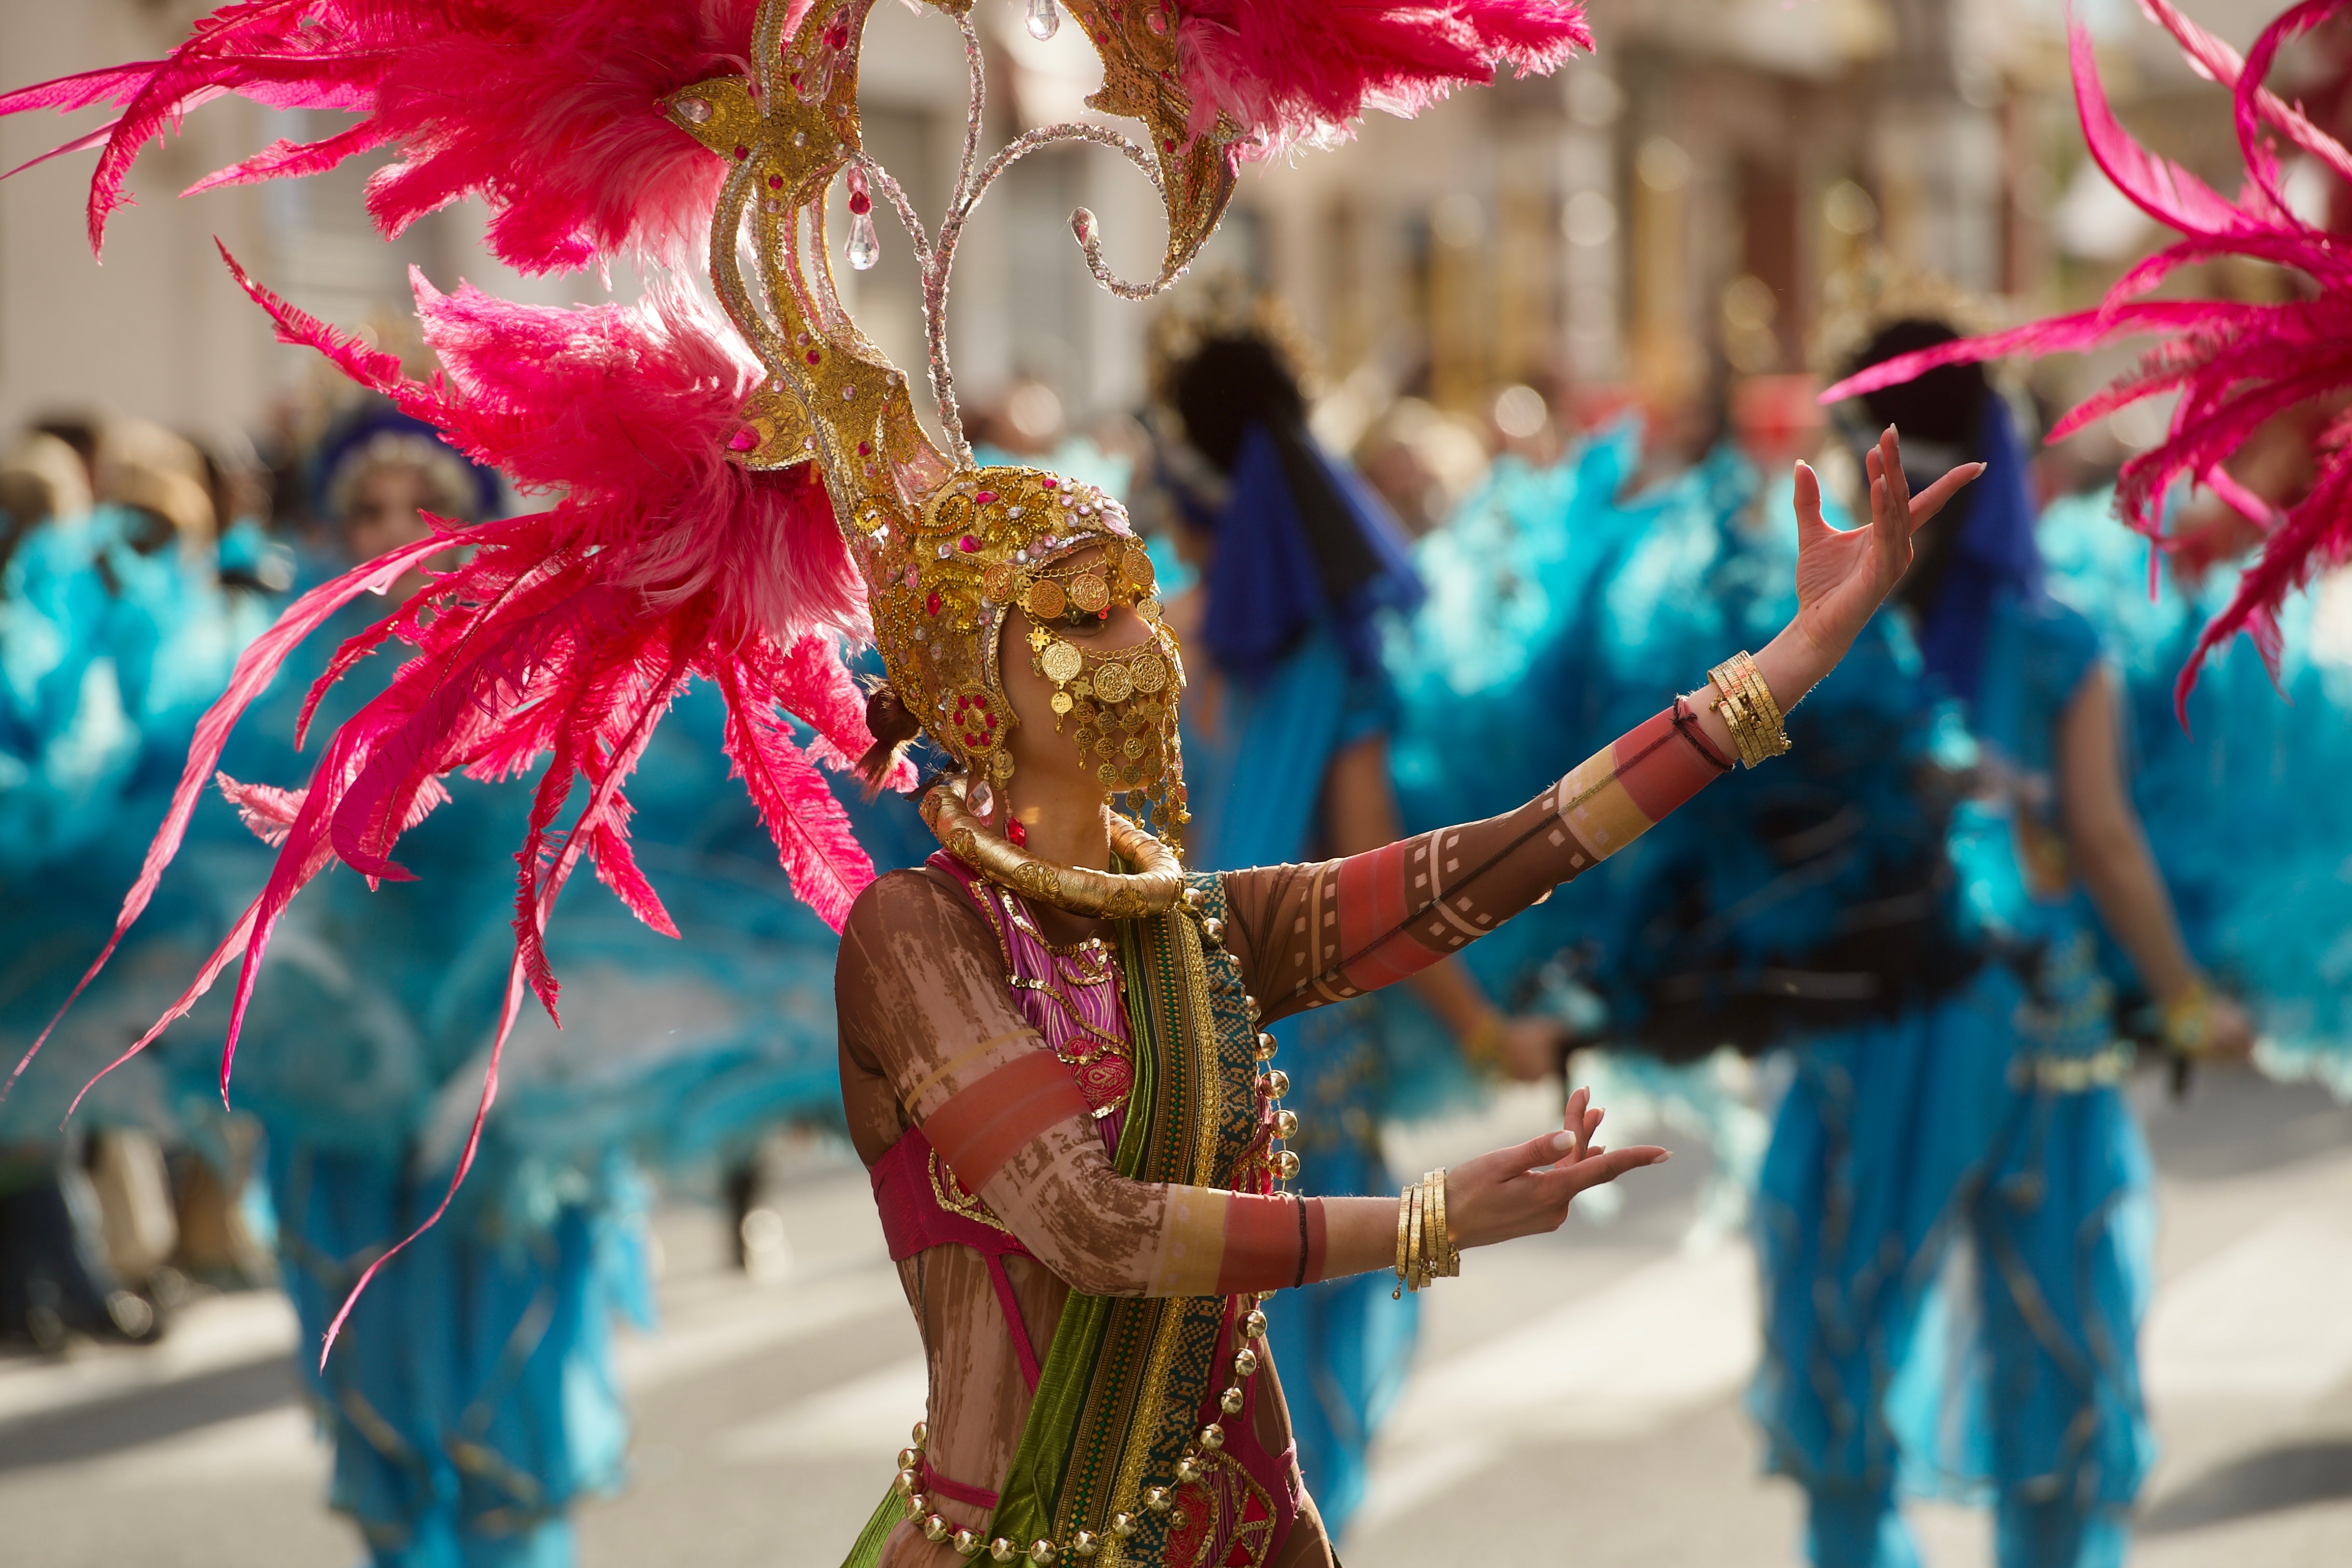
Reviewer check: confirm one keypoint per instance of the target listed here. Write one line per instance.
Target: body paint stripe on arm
(988, 1121)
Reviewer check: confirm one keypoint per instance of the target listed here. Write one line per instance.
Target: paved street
(1576, 1399)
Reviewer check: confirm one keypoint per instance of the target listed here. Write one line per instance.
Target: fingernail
(1562, 1142)
(1662, 1158)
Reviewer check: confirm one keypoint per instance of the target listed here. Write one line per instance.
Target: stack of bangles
(1748, 709)
(1425, 1251)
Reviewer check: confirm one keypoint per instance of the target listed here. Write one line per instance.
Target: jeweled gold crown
(947, 548)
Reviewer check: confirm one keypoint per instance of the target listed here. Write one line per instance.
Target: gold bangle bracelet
(1413, 1232)
(1449, 1255)
(1760, 690)
(1749, 708)
(1404, 1220)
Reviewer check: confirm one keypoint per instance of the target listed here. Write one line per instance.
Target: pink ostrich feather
(1299, 71)
(549, 109)
(565, 634)
(2232, 366)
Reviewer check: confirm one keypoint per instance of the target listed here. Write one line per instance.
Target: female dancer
(1000, 1036)
(2018, 1375)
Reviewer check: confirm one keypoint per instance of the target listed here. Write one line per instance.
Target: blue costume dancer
(1981, 1339)
(472, 1399)
(113, 633)
(1814, 906)
(1285, 731)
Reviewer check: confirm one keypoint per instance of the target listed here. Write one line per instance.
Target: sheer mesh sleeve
(1309, 935)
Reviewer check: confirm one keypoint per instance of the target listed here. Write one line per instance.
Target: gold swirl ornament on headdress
(946, 547)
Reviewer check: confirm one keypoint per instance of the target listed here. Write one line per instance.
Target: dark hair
(1230, 384)
(1944, 405)
(894, 729)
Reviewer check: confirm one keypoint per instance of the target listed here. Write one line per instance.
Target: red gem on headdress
(743, 440)
(969, 545)
(860, 203)
(865, 449)
(1016, 833)
(837, 36)
(813, 357)
(931, 605)
(775, 181)
(1052, 483)
(743, 152)
(983, 498)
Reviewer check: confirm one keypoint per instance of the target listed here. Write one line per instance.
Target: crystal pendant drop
(1044, 20)
(981, 800)
(865, 248)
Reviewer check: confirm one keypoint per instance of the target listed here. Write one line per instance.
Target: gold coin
(1107, 773)
(1150, 674)
(1148, 607)
(1045, 600)
(1062, 661)
(1134, 747)
(1113, 684)
(1089, 594)
(1138, 566)
(997, 582)
(1062, 702)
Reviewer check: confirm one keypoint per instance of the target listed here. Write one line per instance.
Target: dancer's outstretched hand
(1843, 577)
(1525, 1190)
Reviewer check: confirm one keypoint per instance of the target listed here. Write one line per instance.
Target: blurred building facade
(1644, 222)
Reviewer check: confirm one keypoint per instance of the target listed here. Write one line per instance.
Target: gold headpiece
(1860, 301)
(947, 548)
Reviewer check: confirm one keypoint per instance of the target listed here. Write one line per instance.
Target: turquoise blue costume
(1849, 903)
(472, 1395)
(107, 655)
(2252, 844)
(1955, 1227)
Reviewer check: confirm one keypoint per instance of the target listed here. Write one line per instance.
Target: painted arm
(1307, 936)
(1359, 814)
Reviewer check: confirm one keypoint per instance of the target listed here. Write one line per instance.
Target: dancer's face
(1116, 710)
(387, 511)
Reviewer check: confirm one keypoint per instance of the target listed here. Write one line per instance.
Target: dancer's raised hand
(1844, 577)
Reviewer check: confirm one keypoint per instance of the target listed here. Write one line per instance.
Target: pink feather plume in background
(2233, 365)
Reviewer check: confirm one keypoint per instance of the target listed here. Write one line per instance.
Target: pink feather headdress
(690, 540)
(2233, 365)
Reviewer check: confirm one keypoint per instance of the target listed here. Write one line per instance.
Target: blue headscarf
(1301, 539)
(351, 440)
(1993, 553)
